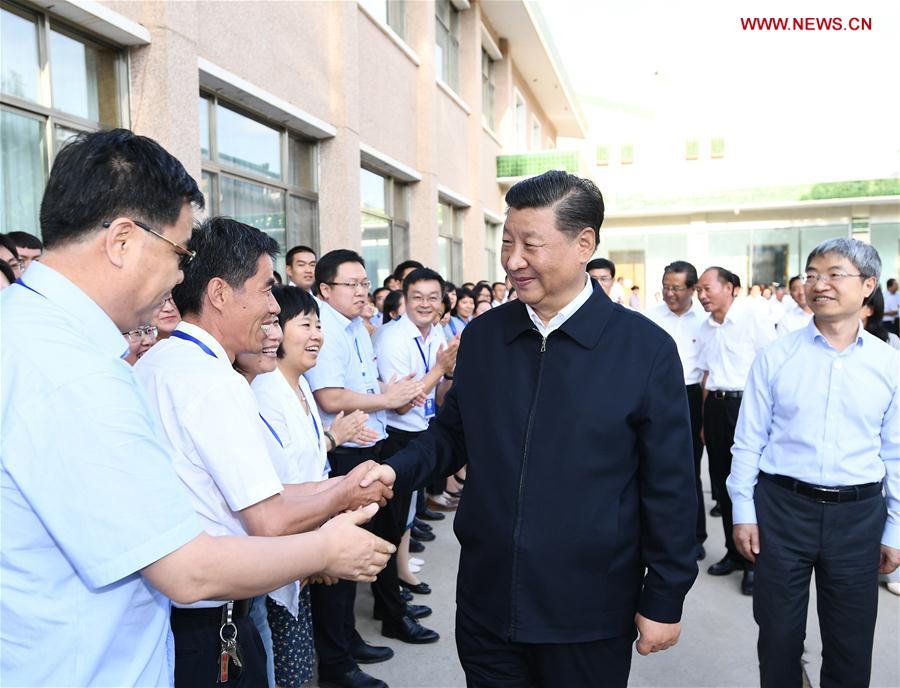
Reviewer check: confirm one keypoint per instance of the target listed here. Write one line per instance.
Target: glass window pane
(303, 222)
(399, 243)
(19, 60)
(83, 78)
(22, 172)
(248, 144)
(204, 128)
(444, 257)
(373, 191)
(256, 205)
(396, 16)
(61, 136)
(376, 247)
(302, 164)
(207, 188)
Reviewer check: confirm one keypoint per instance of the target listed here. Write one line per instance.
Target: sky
(829, 98)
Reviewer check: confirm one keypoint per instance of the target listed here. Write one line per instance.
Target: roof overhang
(531, 49)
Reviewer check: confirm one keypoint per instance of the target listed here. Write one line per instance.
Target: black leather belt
(412, 434)
(214, 614)
(725, 394)
(821, 493)
(374, 450)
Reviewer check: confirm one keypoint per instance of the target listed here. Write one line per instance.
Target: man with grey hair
(818, 438)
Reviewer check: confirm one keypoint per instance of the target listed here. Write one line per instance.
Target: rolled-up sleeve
(890, 454)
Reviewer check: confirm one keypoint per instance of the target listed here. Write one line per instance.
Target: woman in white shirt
(289, 409)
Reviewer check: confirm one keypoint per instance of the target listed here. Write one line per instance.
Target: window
(692, 149)
(446, 56)
(487, 89)
(449, 220)
(520, 123)
(385, 223)
(602, 156)
(717, 147)
(390, 12)
(626, 154)
(54, 84)
(770, 264)
(535, 133)
(259, 174)
(491, 243)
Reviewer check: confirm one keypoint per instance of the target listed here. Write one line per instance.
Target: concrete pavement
(717, 646)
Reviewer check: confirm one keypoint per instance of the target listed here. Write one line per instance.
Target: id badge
(429, 407)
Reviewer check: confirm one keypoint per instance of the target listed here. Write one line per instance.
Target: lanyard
(21, 283)
(425, 359)
(359, 355)
(178, 334)
(452, 326)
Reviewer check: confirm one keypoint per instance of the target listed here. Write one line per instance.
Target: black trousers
(490, 661)
(719, 420)
(841, 542)
(334, 620)
(695, 404)
(390, 523)
(198, 648)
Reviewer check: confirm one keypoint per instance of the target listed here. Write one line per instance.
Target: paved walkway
(717, 646)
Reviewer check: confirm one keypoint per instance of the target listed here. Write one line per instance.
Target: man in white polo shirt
(413, 346)
(730, 339)
(208, 415)
(682, 317)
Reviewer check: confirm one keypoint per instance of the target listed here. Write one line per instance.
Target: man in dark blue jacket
(577, 521)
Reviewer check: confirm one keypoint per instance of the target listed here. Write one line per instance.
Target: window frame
(488, 91)
(397, 222)
(454, 236)
(449, 67)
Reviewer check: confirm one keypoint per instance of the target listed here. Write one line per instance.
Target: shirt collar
(411, 330)
(567, 311)
(343, 321)
(202, 335)
(812, 331)
(696, 310)
(97, 326)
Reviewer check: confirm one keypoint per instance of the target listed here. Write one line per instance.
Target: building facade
(378, 125)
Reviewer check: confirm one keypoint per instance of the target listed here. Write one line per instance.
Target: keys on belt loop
(230, 648)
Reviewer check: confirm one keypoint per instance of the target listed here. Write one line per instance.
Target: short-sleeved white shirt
(727, 350)
(685, 330)
(402, 350)
(209, 417)
(794, 318)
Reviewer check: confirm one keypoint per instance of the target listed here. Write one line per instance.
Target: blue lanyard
(178, 334)
(422, 354)
(315, 424)
(452, 326)
(22, 284)
(359, 355)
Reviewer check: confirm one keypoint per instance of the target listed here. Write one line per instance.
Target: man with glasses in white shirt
(682, 317)
(817, 440)
(345, 378)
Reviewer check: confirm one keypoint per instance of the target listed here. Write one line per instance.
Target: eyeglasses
(365, 284)
(16, 264)
(605, 280)
(677, 290)
(828, 277)
(421, 298)
(139, 333)
(186, 254)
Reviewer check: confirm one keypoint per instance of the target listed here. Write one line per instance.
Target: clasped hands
(369, 483)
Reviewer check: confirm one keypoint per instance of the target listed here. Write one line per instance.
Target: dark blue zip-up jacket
(579, 507)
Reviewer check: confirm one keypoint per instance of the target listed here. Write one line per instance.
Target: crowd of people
(269, 443)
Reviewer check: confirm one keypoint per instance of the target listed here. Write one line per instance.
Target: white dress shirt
(727, 350)
(403, 350)
(567, 311)
(795, 318)
(209, 418)
(347, 360)
(822, 416)
(685, 330)
(891, 303)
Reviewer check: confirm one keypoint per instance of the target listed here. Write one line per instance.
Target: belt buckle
(719, 394)
(836, 491)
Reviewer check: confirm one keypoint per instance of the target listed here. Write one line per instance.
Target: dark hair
(725, 276)
(7, 271)
(294, 251)
(460, 295)
(391, 303)
(795, 278)
(26, 240)
(448, 287)
(682, 267)
(9, 245)
(277, 276)
(890, 283)
(225, 248)
(406, 265)
(103, 175)
(328, 265)
(874, 323)
(479, 288)
(294, 301)
(379, 289)
(389, 278)
(500, 284)
(422, 275)
(601, 264)
(445, 302)
(467, 285)
(577, 203)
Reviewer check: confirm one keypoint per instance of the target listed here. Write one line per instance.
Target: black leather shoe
(413, 611)
(747, 582)
(716, 510)
(355, 678)
(363, 653)
(415, 547)
(430, 515)
(723, 567)
(701, 552)
(419, 588)
(421, 525)
(406, 595)
(422, 535)
(409, 631)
